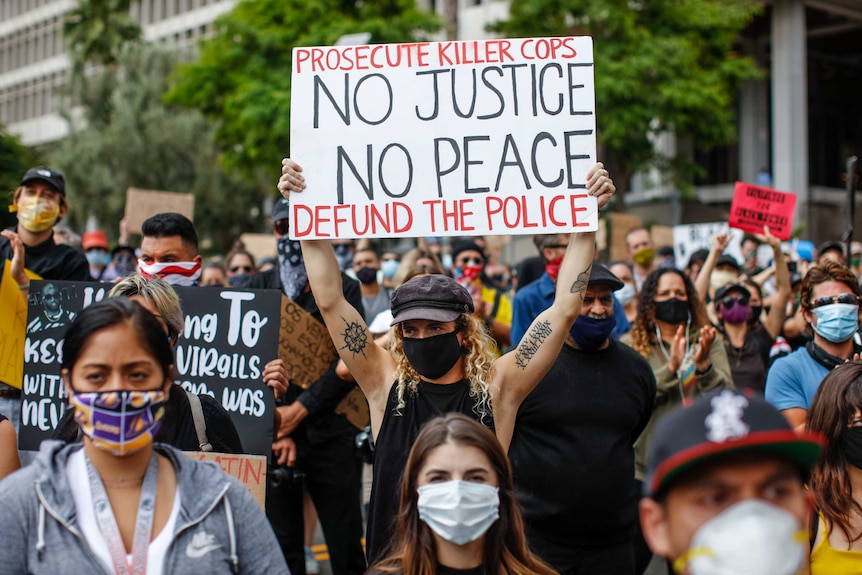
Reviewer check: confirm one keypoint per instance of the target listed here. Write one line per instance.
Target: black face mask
(756, 311)
(366, 275)
(672, 311)
(432, 357)
(851, 445)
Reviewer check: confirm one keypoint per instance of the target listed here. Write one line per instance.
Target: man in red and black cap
(724, 489)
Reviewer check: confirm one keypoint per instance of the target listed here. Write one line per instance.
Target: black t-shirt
(748, 364)
(441, 570)
(178, 425)
(393, 443)
(572, 451)
(51, 261)
(3, 418)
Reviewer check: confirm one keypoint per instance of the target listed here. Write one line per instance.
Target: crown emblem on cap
(725, 420)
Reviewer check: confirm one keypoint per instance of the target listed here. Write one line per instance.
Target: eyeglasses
(235, 269)
(850, 298)
(282, 227)
(558, 246)
(468, 261)
(730, 300)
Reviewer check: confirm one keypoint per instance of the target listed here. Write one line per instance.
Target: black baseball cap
(717, 424)
(435, 297)
(727, 260)
(281, 210)
(53, 178)
(829, 246)
(600, 275)
(726, 289)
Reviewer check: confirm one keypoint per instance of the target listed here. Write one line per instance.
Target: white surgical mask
(752, 538)
(625, 294)
(459, 511)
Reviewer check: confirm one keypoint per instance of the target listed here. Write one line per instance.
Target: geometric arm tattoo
(355, 338)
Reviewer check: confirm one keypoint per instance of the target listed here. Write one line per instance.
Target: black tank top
(393, 443)
(3, 418)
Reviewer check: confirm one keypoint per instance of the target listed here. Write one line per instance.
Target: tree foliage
(15, 158)
(145, 144)
(242, 78)
(659, 65)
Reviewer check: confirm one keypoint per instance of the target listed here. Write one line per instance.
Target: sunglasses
(468, 261)
(282, 227)
(730, 300)
(850, 298)
(235, 269)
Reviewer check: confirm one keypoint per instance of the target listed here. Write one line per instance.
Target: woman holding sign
(439, 359)
(119, 503)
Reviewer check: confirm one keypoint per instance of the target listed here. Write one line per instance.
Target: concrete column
(790, 101)
(754, 141)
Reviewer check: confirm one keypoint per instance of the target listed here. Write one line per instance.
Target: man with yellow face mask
(40, 202)
(641, 251)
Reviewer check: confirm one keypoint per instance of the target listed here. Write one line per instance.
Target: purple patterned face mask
(119, 422)
(737, 313)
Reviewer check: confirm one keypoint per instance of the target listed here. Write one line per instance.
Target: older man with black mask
(581, 517)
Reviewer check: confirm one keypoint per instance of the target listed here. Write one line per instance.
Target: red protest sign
(754, 207)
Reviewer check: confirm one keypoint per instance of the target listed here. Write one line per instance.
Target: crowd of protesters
(555, 415)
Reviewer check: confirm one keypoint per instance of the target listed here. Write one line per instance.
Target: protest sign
(490, 137)
(689, 238)
(12, 321)
(141, 204)
(249, 469)
(620, 226)
(304, 345)
(229, 336)
(755, 206)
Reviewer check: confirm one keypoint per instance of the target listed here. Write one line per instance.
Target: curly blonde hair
(478, 358)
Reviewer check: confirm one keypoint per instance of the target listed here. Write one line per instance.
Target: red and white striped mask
(174, 273)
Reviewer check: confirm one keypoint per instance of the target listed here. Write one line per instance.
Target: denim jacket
(220, 528)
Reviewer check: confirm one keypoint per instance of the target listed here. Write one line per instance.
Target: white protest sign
(489, 137)
(692, 237)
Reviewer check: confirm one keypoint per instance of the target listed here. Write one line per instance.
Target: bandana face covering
(466, 275)
(36, 214)
(119, 422)
(291, 267)
(173, 273)
(553, 267)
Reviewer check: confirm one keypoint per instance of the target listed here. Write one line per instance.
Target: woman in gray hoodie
(120, 503)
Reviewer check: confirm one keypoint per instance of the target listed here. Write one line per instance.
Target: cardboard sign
(249, 469)
(141, 204)
(354, 407)
(689, 238)
(13, 317)
(259, 245)
(229, 336)
(480, 137)
(620, 226)
(755, 206)
(304, 345)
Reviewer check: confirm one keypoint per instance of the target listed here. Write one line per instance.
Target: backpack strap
(200, 422)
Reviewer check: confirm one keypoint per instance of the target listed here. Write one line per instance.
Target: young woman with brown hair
(458, 512)
(836, 479)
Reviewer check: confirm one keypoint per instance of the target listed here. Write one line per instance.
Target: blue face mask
(590, 333)
(836, 322)
(389, 268)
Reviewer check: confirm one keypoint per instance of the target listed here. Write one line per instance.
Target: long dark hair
(643, 331)
(109, 313)
(830, 413)
(413, 552)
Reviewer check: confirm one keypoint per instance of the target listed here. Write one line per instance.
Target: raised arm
(778, 310)
(719, 244)
(371, 366)
(521, 369)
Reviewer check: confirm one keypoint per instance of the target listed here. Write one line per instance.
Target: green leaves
(242, 79)
(659, 64)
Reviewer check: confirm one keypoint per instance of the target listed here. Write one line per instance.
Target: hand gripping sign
(489, 137)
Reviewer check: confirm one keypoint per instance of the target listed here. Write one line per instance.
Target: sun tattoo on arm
(355, 338)
(580, 285)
